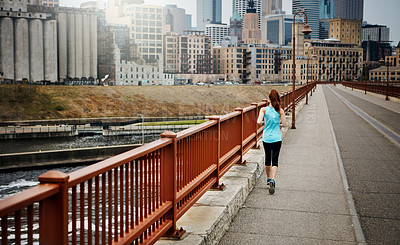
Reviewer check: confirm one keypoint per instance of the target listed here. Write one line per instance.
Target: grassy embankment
(22, 102)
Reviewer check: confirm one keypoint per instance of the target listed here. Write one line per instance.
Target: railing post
(256, 146)
(170, 184)
(241, 136)
(218, 153)
(53, 211)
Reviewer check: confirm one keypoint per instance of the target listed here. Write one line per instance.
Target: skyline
(389, 17)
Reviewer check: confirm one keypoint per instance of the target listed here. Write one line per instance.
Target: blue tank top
(272, 131)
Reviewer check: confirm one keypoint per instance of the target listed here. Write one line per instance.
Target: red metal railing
(138, 196)
(391, 89)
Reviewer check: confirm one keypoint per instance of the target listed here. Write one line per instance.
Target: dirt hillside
(20, 102)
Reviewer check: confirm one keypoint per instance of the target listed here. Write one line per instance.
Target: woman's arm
(283, 118)
(261, 116)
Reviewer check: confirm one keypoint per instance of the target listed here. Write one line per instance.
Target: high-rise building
(217, 32)
(241, 7)
(271, 7)
(277, 29)
(326, 12)
(311, 7)
(208, 12)
(145, 23)
(251, 33)
(236, 26)
(175, 18)
(378, 33)
(188, 22)
(349, 9)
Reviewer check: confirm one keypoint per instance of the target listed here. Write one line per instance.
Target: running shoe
(272, 187)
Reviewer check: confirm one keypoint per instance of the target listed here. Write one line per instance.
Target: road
(371, 161)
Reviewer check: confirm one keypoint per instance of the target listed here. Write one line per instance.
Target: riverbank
(29, 102)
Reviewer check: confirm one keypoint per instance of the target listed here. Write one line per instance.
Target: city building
(271, 7)
(120, 62)
(188, 22)
(336, 61)
(398, 54)
(236, 26)
(277, 29)
(50, 3)
(145, 23)
(250, 63)
(188, 54)
(241, 6)
(349, 9)
(175, 17)
(217, 32)
(251, 33)
(379, 33)
(208, 12)
(312, 9)
(91, 5)
(326, 12)
(346, 30)
(380, 74)
(374, 51)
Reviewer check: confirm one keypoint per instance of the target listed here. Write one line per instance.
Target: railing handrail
(27, 197)
(89, 172)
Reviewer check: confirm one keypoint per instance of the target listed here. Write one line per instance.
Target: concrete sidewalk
(310, 204)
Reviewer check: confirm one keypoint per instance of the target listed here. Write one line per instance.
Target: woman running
(272, 138)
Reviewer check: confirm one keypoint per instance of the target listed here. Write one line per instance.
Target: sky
(383, 12)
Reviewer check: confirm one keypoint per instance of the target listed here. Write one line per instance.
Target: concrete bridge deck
(338, 181)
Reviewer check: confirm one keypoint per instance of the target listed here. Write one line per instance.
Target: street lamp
(307, 30)
(308, 58)
(387, 77)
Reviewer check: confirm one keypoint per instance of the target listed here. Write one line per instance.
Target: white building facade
(217, 32)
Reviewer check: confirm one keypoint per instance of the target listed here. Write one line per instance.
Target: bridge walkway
(311, 204)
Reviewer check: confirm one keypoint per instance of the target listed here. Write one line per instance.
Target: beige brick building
(250, 63)
(334, 62)
(380, 73)
(346, 30)
(188, 54)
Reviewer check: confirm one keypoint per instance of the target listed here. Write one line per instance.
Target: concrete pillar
(62, 46)
(71, 45)
(21, 61)
(50, 50)
(36, 62)
(93, 46)
(86, 45)
(7, 48)
(78, 46)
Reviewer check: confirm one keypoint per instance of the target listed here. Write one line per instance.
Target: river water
(11, 183)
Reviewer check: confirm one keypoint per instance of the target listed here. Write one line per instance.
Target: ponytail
(275, 100)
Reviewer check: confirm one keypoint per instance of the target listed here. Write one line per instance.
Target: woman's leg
(268, 156)
(276, 147)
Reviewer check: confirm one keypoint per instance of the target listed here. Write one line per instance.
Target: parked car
(228, 83)
(200, 84)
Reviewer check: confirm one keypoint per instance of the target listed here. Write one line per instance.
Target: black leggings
(272, 150)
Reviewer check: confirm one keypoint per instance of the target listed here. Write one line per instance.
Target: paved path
(310, 205)
(371, 161)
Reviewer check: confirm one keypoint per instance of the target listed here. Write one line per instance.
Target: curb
(207, 221)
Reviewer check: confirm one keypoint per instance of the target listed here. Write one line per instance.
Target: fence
(137, 196)
(390, 89)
